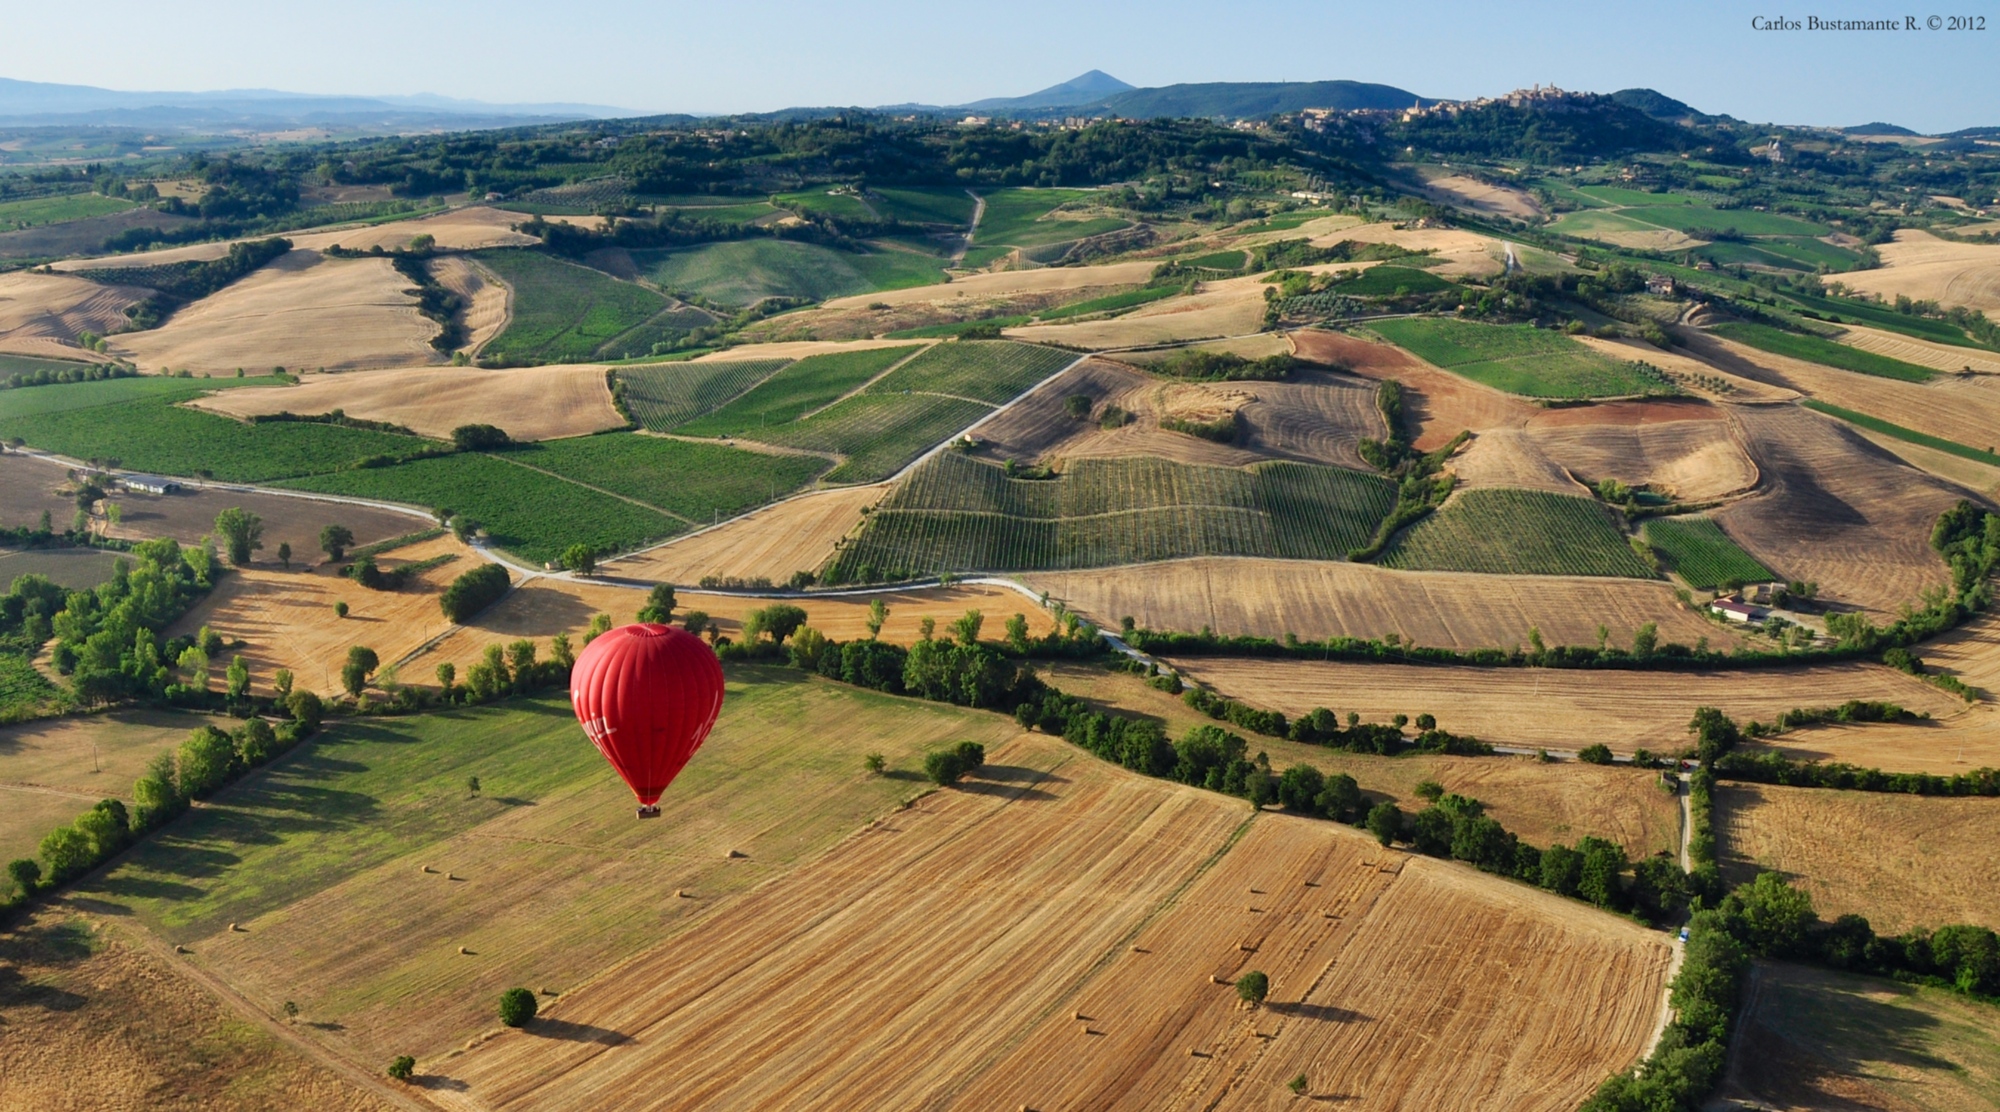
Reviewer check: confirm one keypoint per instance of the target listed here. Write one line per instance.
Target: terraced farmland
(954, 514)
(991, 371)
(794, 391)
(664, 395)
(1520, 359)
(1699, 551)
(1517, 532)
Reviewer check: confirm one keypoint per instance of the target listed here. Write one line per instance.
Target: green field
(840, 206)
(565, 313)
(1596, 223)
(1790, 252)
(1696, 549)
(1812, 349)
(1392, 281)
(991, 371)
(698, 481)
(1517, 532)
(1854, 311)
(1014, 218)
(1964, 451)
(36, 211)
(78, 569)
(28, 364)
(796, 390)
(25, 693)
(953, 514)
(663, 395)
(742, 272)
(877, 433)
(1520, 359)
(1618, 195)
(154, 435)
(942, 205)
(1111, 303)
(1749, 222)
(33, 401)
(533, 515)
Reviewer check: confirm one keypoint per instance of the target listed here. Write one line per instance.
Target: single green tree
(780, 620)
(600, 624)
(26, 874)
(447, 674)
(340, 609)
(285, 554)
(472, 784)
(1645, 639)
(1298, 1085)
(878, 614)
(517, 1007)
(1597, 754)
(334, 541)
(291, 1010)
(238, 676)
(966, 628)
(401, 1068)
(579, 558)
(361, 660)
(306, 709)
(873, 762)
(1385, 821)
(660, 603)
(1017, 633)
(68, 851)
(944, 767)
(242, 532)
(1253, 987)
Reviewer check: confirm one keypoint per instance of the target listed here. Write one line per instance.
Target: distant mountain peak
(1087, 88)
(1878, 128)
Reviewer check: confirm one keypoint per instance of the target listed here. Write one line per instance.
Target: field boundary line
(586, 486)
(915, 350)
(978, 212)
(44, 789)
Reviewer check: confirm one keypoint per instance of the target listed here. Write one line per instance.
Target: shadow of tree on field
(1325, 1012)
(1014, 774)
(575, 1032)
(443, 1084)
(981, 787)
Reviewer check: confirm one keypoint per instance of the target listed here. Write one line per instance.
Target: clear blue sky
(715, 57)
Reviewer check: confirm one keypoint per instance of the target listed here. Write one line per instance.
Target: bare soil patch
(1693, 460)
(190, 515)
(488, 301)
(1466, 254)
(1227, 308)
(1838, 511)
(1441, 403)
(1903, 861)
(530, 403)
(1554, 708)
(1510, 458)
(300, 312)
(1456, 610)
(795, 535)
(1485, 197)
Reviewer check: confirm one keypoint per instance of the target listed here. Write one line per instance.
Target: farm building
(1661, 284)
(1738, 611)
(149, 484)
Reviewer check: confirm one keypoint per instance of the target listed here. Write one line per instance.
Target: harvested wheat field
(1509, 458)
(1485, 197)
(1457, 610)
(487, 300)
(1811, 1039)
(530, 403)
(1441, 403)
(1953, 408)
(546, 880)
(1690, 451)
(189, 515)
(800, 349)
(54, 769)
(1318, 417)
(95, 1016)
(1553, 708)
(1695, 375)
(1257, 345)
(303, 311)
(1836, 510)
(1007, 283)
(1230, 307)
(543, 607)
(1975, 477)
(287, 617)
(1466, 254)
(1903, 861)
(1924, 353)
(1923, 267)
(1542, 803)
(825, 988)
(41, 314)
(797, 534)
(466, 229)
(1545, 997)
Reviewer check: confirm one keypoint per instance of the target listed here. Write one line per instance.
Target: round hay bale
(680, 893)
(463, 950)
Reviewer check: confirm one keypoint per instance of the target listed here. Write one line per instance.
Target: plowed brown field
(1231, 307)
(1690, 450)
(1056, 889)
(1442, 404)
(466, 229)
(190, 515)
(797, 534)
(1924, 353)
(488, 301)
(1315, 600)
(1484, 197)
(1903, 861)
(1838, 511)
(303, 311)
(530, 403)
(1510, 458)
(1554, 708)
(41, 314)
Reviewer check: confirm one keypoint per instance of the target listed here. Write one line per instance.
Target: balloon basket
(650, 812)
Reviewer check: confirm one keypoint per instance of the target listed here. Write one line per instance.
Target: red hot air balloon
(647, 696)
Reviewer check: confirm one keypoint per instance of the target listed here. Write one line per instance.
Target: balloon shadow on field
(1326, 1012)
(575, 1032)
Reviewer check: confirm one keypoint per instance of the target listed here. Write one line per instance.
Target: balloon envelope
(647, 695)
